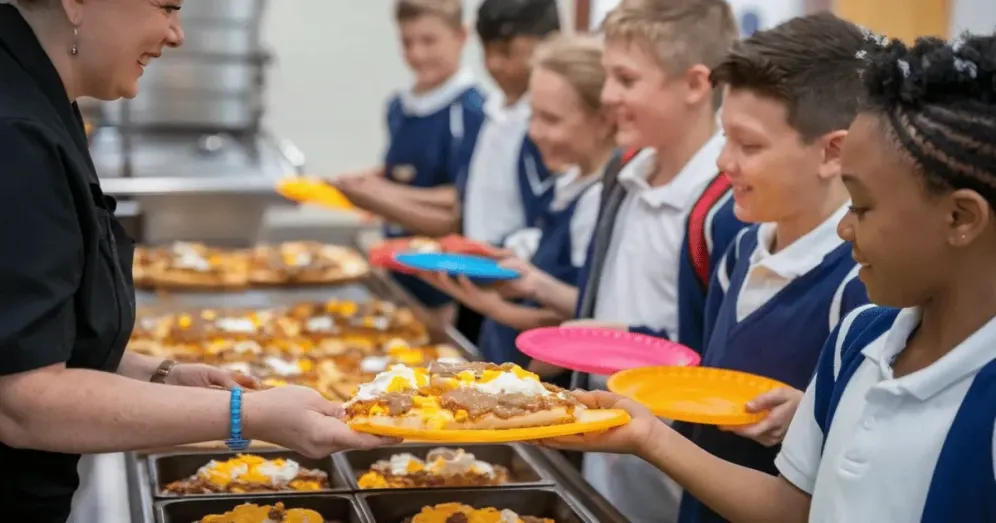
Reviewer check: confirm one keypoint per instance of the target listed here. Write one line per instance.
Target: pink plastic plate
(601, 351)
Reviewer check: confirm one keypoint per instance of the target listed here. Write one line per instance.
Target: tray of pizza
(305, 263)
(417, 466)
(201, 267)
(471, 403)
(316, 508)
(533, 505)
(227, 474)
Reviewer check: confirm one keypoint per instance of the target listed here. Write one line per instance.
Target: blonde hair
(577, 59)
(677, 33)
(450, 11)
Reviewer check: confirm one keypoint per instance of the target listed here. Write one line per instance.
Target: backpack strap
(697, 234)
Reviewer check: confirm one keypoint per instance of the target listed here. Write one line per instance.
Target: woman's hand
(201, 375)
(781, 404)
(302, 420)
(632, 438)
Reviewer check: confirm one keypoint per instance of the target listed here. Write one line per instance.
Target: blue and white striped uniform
(872, 447)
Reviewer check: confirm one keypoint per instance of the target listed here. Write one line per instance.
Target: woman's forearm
(739, 494)
(88, 412)
(138, 366)
(556, 295)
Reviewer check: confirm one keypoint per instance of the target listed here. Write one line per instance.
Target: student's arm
(490, 303)
(392, 202)
(738, 494)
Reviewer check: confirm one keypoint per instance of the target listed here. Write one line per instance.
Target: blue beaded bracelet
(235, 440)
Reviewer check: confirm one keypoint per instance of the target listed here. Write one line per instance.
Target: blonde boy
(433, 128)
(667, 216)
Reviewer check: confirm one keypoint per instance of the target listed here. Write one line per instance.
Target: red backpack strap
(629, 154)
(698, 245)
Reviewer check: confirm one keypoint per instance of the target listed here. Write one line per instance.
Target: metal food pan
(523, 469)
(167, 468)
(395, 507)
(333, 507)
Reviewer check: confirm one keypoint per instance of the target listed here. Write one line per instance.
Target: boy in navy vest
(791, 93)
(507, 186)
(898, 423)
(657, 58)
(433, 127)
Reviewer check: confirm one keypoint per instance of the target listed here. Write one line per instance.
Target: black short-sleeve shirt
(66, 294)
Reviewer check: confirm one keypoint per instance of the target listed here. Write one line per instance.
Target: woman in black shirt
(67, 304)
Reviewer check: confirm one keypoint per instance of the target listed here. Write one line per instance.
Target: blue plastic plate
(474, 267)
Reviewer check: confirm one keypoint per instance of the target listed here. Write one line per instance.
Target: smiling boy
(781, 288)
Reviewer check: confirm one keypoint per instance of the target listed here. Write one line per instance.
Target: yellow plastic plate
(303, 189)
(702, 395)
(591, 421)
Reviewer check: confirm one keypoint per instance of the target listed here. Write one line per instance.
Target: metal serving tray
(335, 508)
(523, 469)
(395, 507)
(167, 468)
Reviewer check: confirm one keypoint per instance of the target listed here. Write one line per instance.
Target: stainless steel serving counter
(565, 484)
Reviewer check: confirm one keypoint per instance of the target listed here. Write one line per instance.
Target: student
(791, 94)
(433, 127)
(898, 422)
(507, 185)
(575, 137)
(657, 59)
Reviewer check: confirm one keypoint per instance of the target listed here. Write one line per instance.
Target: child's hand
(632, 438)
(782, 404)
(463, 290)
(528, 282)
(593, 324)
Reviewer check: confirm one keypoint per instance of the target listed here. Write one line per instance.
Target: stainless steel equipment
(202, 187)
(216, 79)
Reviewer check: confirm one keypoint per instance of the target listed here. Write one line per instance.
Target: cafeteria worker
(67, 304)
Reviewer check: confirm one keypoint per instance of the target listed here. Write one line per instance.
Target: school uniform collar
(432, 101)
(682, 191)
(20, 42)
(570, 185)
(963, 361)
(499, 111)
(804, 254)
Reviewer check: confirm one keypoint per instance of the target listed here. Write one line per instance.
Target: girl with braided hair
(898, 423)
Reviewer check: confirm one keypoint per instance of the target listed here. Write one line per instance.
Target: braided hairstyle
(938, 101)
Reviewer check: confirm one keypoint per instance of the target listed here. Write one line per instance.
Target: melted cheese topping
(440, 513)
(250, 468)
(398, 378)
(188, 256)
(252, 513)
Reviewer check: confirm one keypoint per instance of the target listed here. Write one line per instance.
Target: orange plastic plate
(302, 189)
(702, 395)
(591, 421)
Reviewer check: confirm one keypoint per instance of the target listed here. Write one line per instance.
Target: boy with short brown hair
(450, 11)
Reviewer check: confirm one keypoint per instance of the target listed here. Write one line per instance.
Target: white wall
(337, 63)
(977, 16)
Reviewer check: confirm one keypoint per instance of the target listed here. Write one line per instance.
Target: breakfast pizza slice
(197, 266)
(350, 370)
(303, 263)
(442, 467)
(460, 512)
(461, 396)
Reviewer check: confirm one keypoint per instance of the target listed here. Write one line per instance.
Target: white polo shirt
(492, 205)
(887, 432)
(639, 284)
(769, 273)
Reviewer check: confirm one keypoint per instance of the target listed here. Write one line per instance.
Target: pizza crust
(416, 420)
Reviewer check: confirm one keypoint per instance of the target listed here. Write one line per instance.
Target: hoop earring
(74, 50)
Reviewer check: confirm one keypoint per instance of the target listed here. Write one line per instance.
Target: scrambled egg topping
(250, 468)
(440, 514)
(252, 513)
